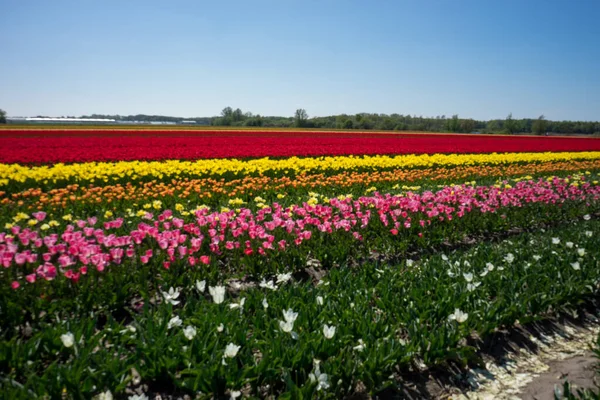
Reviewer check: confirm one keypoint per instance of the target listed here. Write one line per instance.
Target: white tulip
(175, 321)
(361, 345)
(138, 397)
(171, 295)
(282, 278)
(267, 285)
(316, 376)
(328, 331)
(231, 350)
(290, 316)
(104, 396)
(286, 326)
(239, 305)
(68, 339)
(189, 332)
(458, 316)
(217, 293)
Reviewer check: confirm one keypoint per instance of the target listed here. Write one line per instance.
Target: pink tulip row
(38, 254)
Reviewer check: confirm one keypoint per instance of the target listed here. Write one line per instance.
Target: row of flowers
(13, 175)
(52, 148)
(355, 330)
(215, 191)
(39, 249)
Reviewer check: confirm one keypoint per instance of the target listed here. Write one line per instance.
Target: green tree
(256, 120)
(492, 126)
(227, 112)
(237, 115)
(539, 125)
(453, 124)
(510, 125)
(365, 122)
(467, 125)
(300, 118)
(226, 117)
(387, 124)
(2, 116)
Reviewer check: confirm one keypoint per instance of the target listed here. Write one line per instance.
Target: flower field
(35, 146)
(136, 264)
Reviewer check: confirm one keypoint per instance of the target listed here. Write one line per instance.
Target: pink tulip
(20, 258)
(40, 215)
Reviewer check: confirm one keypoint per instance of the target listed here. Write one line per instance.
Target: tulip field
(72, 145)
(265, 264)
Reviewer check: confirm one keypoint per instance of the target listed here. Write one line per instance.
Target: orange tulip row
(207, 188)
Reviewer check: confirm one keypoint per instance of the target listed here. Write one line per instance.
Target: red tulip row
(223, 144)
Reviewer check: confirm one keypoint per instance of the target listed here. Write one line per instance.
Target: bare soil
(578, 370)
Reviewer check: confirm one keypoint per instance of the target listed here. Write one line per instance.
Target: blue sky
(476, 58)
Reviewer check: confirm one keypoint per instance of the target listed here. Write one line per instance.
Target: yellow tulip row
(132, 170)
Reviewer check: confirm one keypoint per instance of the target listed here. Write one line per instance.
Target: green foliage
(492, 126)
(147, 118)
(453, 124)
(539, 125)
(510, 125)
(388, 317)
(2, 116)
(300, 118)
(256, 120)
(365, 121)
(457, 125)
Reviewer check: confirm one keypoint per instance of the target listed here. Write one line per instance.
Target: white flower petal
(68, 339)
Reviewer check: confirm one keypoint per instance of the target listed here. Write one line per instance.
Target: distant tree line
(368, 121)
(399, 122)
(150, 118)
